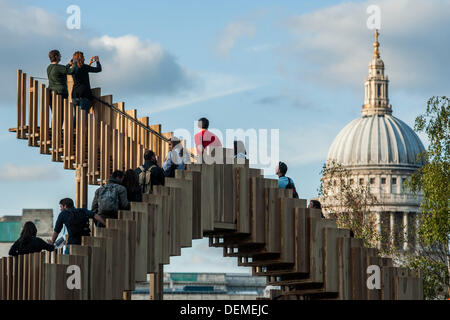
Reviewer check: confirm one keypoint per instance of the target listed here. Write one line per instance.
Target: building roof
(376, 140)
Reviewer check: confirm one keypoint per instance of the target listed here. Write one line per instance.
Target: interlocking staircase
(231, 203)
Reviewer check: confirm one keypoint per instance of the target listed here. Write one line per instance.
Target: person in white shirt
(174, 159)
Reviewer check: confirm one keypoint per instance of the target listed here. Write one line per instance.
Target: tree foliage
(350, 203)
(432, 253)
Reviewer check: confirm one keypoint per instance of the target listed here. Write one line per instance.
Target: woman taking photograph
(28, 242)
(81, 92)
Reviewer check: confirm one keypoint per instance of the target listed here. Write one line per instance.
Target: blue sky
(296, 66)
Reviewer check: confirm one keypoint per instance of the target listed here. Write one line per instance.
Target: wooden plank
(128, 228)
(44, 124)
(373, 294)
(41, 277)
(287, 230)
(242, 198)
(91, 152)
(141, 220)
(9, 278)
(31, 110)
(50, 275)
(316, 249)
(272, 214)
(358, 270)
(20, 124)
(86, 262)
(344, 264)
(229, 184)
(102, 260)
(330, 261)
(207, 205)
(175, 213)
(118, 264)
(218, 193)
(156, 223)
(302, 240)
(17, 287)
(3, 278)
(98, 266)
(195, 177)
(58, 109)
(184, 212)
(71, 136)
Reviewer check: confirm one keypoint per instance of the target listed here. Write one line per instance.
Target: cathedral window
(394, 180)
(372, 180)
(383, 180)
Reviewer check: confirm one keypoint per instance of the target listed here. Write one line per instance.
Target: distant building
(11, 226)
(207, 286)
(380, 151)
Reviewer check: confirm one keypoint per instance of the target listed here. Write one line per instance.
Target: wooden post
(156, 284)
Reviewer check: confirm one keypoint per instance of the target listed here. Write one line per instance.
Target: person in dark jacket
(28, 242)
(110, 198)
(81, 92)
(131, 183)
(150, 174)
(57, 74)
(70, 217)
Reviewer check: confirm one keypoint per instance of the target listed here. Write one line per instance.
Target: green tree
(350, 203)
(432, 254)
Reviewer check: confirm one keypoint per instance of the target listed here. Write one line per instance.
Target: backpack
(290, 185)
(145, 181)
(108, 198)
(78, 223)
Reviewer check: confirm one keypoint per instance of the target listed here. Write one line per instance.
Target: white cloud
(12, 172)
(231, 34)
(130, 65)
(336, 46)
(139, 66)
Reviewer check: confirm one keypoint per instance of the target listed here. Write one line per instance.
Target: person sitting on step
(131, 183)
(150, 174)
(76, 222)
(29, 242)
(283, 181)
(174, 159)
(110, 198)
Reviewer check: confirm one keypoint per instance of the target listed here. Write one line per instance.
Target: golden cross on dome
(376, 45)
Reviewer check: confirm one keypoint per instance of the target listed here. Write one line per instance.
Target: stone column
(392, 227)
(378, 221)
(405, 230)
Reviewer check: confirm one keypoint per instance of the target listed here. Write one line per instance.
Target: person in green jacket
(57, 74)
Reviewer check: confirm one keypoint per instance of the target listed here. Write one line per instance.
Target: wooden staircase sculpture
(232, 204)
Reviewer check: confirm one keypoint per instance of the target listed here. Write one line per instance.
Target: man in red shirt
(205, 138)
